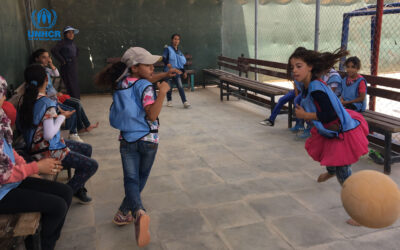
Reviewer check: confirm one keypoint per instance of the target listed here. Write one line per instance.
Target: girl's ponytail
(35, 77)
(106, 77)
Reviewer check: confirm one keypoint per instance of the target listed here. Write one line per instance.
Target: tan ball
(371, 198)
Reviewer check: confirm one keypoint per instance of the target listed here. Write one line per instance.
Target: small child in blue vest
(135, 112)
(354, 86)
(339, 136)
(334, 81)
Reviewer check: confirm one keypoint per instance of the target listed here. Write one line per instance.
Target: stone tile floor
(220, 181)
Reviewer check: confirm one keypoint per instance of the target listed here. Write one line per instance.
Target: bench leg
(227, 91)
(192, 82)
(290, 114)
(272, 103)
(388, 153)
(221, 92)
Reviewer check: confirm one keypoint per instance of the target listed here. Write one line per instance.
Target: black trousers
(51, 199)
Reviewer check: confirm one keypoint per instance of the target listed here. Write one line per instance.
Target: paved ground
(220, 181)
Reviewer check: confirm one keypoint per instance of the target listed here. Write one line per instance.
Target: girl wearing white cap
(134, 112)
(66, 52)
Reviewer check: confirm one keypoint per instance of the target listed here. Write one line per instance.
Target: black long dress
(66, 52)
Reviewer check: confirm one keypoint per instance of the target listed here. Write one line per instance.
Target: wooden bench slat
(227, 59)
(371, 113)
(27, 224)
(271, 64)
(385, 93)
(253, 86)
(267, 72)
(229, 66)
(382, 125)
(390, 122)
(383, 81)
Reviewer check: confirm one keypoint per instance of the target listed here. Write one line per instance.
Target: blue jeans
(341, 172)
(284, 99)
(71, 122)
(137, 160)
(82, 120)
(178, 81)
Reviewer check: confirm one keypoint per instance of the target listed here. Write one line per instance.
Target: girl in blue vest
(134, 112)
(174, 58)
(20, 192)
(334, 81)
(40, 125)
(78, 121)
(354, 86)
(339, 136)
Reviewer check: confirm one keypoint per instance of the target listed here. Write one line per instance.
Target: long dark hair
(36, 54)
(106, 77)
(35, 77)
(320, 62)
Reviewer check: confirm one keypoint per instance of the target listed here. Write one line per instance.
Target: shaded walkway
(220, 181)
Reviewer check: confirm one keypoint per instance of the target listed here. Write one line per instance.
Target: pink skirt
(345, 150)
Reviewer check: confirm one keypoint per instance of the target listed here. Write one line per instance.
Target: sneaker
(142, 228)
(169, 104)
(376, 157)
(186, 105)
(305, 134)
(75, 137)
(82, 196)
(121, 219)
(297, 128)
(267, 122)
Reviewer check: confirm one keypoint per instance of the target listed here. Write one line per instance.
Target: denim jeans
(82, 120)
(284, 99)
(71, 122)
(137, 160)
(79, 159)
(341, 172)
(178, 81)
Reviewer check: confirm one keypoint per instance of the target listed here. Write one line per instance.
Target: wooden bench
(15, 226)
(248, 89)
(159, 66)
(223, 64)
(381, 123)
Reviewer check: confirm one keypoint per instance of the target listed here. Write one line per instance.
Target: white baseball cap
(137, 55)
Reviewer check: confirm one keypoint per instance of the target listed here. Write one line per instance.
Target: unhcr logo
(44, 20)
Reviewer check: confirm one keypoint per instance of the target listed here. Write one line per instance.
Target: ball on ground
(371, 198)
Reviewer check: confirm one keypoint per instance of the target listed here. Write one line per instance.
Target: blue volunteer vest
(127, 113)
(346, 121)
(176, 59)
(299, 86)
(50, 90)
(40, 108)
(351, 92)
(4, 189)
(334, 77)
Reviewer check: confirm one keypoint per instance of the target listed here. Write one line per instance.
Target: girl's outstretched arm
(153, 110)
